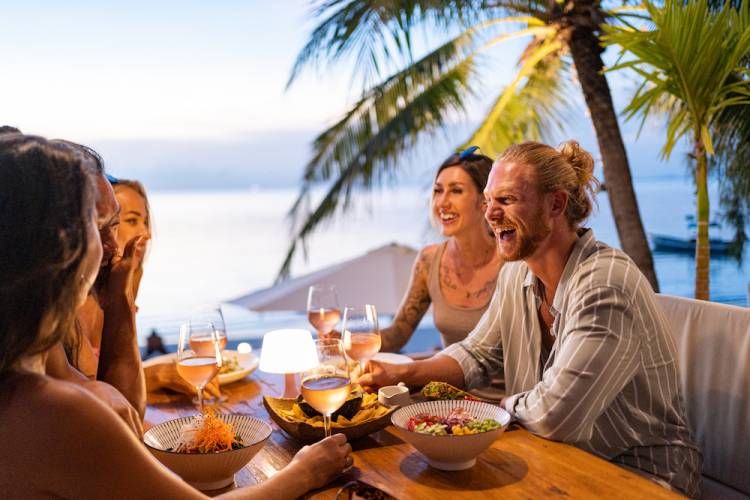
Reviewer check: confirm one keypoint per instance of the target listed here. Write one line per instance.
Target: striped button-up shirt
(610, 383)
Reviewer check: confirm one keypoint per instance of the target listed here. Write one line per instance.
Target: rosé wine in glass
(323, 309)
(327, 385)
(198, 370)
(198, 355)
(361, 334)
(326, 393)
(204, 346)
(324, 319)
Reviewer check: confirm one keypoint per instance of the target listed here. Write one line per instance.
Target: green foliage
(691, 61)
(364, 146)
(529, 108)
(415, 98)
(376, 30)
(690, 56)
(731, 165)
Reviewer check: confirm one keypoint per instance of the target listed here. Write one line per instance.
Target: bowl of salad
(206, 450)
(450, 434)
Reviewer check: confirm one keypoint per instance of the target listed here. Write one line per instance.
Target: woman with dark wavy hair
(50, 253)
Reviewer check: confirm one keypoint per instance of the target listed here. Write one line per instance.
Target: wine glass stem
(327, 424)
(200, 398)
(362, 366)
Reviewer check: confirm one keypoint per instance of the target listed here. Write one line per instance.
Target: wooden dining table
(518, 465)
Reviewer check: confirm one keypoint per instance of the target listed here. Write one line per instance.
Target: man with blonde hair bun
(573, 325)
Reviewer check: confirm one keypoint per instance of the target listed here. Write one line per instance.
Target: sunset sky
(195, 86)
(159, 70)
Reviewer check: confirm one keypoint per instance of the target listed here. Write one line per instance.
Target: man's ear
(558, 202)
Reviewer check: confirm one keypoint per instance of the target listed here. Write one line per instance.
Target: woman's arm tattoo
(412, 309)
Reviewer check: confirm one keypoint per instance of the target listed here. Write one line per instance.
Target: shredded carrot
(206, 433)
(214, 435)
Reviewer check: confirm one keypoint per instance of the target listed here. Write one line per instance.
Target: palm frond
(731, 136)
(338, 145)
(690, 54)
(373, 29)
(364, 147)
(529, 106)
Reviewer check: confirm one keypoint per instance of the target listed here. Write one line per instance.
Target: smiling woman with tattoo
(458, 275)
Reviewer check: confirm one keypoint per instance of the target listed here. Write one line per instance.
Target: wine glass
(361, 333)
(198, 355)
(327, 386)
(323, 308)
(213, 314)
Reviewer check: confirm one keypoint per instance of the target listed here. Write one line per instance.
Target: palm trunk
(702, 244)
(586, 52)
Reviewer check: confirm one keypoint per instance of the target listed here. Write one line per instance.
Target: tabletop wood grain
(518, 465)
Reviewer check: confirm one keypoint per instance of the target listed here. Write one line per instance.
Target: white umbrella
(379, 277)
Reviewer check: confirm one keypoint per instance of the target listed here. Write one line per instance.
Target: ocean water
(213, 246)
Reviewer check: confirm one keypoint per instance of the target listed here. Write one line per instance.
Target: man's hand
(378, 374)
(115, 400)
(416, 373)
(165, 376)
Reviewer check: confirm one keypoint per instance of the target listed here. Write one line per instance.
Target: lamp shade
(288, 351)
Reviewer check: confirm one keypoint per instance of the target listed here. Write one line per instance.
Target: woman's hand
(124, 268)
(319, 464)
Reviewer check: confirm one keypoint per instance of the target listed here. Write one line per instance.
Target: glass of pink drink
(210, 314)
(327, 386)
(198, 355)
(323, 311)
(361, 334)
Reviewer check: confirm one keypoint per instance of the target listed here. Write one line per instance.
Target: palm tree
(416, 100)
(731, 164)
(689, 61)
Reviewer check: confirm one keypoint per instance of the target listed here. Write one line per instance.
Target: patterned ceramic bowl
(207, 471)
(450, 452)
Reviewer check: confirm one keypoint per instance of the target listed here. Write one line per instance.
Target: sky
(159, 70)
(191, 94)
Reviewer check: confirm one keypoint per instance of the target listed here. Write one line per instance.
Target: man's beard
(528, 240)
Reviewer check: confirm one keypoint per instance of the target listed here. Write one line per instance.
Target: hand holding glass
(361, 334)
(327, 386)
(198, 355)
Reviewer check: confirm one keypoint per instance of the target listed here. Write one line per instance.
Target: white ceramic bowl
(450, 452)
(207, 471)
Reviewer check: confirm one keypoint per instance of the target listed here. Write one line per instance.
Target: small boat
(664, 243)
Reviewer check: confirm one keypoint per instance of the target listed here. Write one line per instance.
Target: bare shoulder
(425, 258)
(76, 444)
(42, 420)
(46, 406)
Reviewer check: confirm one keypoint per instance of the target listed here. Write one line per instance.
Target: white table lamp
(289, 352)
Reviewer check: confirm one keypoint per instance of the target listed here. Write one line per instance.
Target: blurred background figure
(155, 344)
